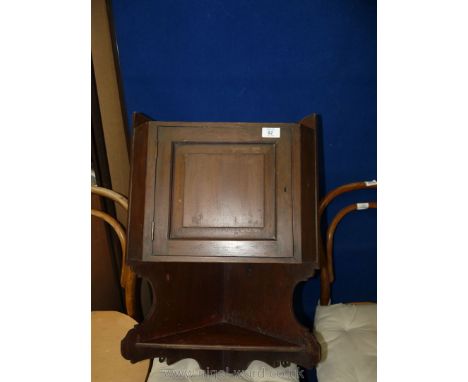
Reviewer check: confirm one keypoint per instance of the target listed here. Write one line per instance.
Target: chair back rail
(326, 251)
(127, 277)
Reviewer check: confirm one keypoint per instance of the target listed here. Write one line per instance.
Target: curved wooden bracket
(224, 315)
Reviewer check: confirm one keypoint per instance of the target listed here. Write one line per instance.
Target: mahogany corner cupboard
(223, 224)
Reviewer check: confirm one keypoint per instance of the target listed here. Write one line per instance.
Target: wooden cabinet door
(222, 191)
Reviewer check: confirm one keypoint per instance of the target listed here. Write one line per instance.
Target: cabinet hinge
(152, 230)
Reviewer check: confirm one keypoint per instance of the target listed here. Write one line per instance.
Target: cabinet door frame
(165, 248)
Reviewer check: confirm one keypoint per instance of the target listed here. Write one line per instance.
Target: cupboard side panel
(309, 195)
(137, 192)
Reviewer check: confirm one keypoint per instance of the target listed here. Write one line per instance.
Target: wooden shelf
(221, 336)
(222, 315)
(223, 223)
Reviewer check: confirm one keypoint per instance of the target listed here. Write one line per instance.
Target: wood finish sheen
(273, 240)
(229, 188)
(214, 312)
(217, 197)
(235, 230)
(309, 191)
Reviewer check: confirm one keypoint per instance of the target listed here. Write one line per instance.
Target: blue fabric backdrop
(268, 61)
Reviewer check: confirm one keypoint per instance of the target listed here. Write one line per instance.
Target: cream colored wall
(109, 101)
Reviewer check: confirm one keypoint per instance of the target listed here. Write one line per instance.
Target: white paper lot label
(362, 206)
(271, 132)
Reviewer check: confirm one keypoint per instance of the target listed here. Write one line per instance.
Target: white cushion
(348, 336)
(189, 370)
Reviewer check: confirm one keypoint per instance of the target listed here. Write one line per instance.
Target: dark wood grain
(225, 227)
(141, 202)
(136, 223)
(309, 191)
(195, 228)
(228, 337)
(139, 118)
(223, 191)
(219, 308)
(214, 144)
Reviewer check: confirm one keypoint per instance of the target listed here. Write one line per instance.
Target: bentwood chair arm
(372, 184)
(326, 254)
(127, 277)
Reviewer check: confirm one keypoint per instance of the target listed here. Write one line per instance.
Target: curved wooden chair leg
(109, 327)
